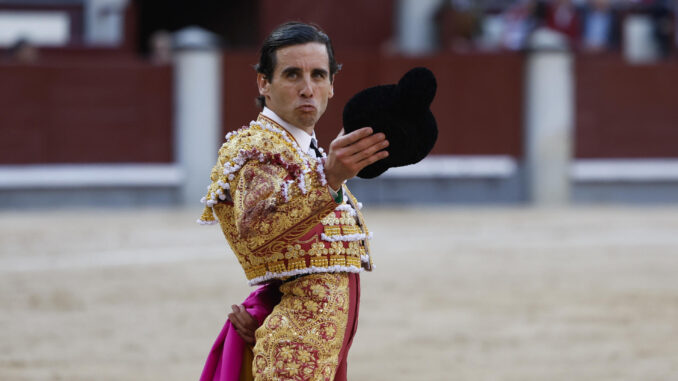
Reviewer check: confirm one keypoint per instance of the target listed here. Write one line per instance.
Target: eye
(319, 74)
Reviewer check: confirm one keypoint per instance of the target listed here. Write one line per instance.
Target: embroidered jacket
(274, 208)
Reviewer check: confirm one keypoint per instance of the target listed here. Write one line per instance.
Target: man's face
(301, 84)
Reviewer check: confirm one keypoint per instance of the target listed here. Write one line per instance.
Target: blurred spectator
(564, 17)
(161, 47)
(601, 27)
(458, 25)
(23, 52)
(663, 24)
(520, 20)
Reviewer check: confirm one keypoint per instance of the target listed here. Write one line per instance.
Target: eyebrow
(320, 71)
(291, 69)
(294, 69)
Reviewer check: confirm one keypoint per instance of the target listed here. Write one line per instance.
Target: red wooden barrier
(478, 106)
(350, 23)
(625, 111)
(122, 111)
(85, 113)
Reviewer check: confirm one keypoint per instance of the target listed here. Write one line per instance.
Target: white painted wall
(415, 28)
(51, 28)
(639, 44)
(197, 89)
(104, 21)
(549, 115)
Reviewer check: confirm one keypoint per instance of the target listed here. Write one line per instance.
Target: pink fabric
(225, 358)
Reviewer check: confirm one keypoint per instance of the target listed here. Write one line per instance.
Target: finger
(371, 150)
(245, 332)
(341, 132)
(246, 337)
(247, 320)
(370, 144)
(249, 340)
(346, 140)
(235, 309)
(235, 317)
(372, 159)
(234, 321)
(243, 314)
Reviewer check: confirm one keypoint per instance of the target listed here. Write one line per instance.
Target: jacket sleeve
(267, 200)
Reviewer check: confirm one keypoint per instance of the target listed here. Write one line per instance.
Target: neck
(308, 130)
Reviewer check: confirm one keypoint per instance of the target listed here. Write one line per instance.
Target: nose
(306, 87)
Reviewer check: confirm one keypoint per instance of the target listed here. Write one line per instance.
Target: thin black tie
(315, 149)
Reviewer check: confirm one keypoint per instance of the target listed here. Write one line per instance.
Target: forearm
(267, 199)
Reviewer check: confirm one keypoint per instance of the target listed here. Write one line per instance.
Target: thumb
(341, 132)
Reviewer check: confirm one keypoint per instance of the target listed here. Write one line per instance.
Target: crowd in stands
(587, 25)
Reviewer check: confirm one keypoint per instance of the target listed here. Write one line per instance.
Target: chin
(307, 120)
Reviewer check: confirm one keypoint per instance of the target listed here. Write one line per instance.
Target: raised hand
(352, 152)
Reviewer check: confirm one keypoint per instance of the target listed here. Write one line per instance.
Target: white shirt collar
(301, 136)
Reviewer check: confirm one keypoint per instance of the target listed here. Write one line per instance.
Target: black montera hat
(402, 113)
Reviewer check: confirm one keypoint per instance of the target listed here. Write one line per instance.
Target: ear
(263, 84)
(332, 86)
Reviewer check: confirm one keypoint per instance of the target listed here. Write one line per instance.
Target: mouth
(306, 108)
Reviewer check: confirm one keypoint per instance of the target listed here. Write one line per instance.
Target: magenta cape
(225, 358)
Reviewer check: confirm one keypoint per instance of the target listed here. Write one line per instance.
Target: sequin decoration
(302, 337)
(276, 214)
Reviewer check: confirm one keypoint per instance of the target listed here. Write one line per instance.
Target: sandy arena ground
(458, 294)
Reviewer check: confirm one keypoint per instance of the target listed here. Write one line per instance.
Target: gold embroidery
(255, 271)
(262, 171)
(347, 230)
(337, 260)
(319, 262)
(294, 251)
(296, 264)
(353, 261)
(313, 238)
(277, 267)
(353, 249)
(303, 335)
(346, 218)
(330, 219)
(317, 248)
(365, 249)
(336, 248)
(332, 230)
(276, 257)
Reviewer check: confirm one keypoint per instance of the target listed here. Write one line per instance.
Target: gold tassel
(207, 215)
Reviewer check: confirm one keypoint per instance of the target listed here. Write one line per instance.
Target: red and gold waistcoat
(276, 212)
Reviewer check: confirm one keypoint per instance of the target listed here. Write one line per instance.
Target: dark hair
(287, 34)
